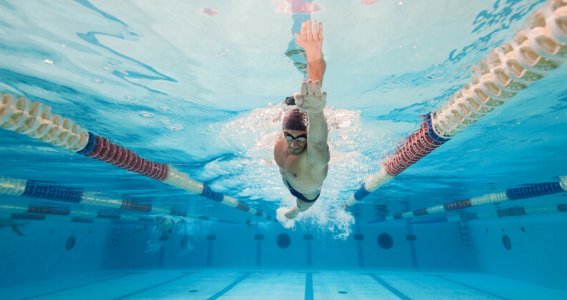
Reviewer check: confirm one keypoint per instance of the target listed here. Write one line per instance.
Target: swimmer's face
(296, 140)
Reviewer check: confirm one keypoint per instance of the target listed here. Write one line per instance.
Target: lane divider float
(36, 120)
(512, 67)
(109, 206)
(524, 192)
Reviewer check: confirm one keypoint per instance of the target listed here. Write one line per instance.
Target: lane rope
(510, 68)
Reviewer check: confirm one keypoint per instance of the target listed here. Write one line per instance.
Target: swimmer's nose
(295, 144)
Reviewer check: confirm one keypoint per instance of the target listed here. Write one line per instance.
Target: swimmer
(301, 151)
(16, 227)
(165, 225)
(164, 228)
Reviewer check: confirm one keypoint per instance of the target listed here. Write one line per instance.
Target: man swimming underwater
(302, 152)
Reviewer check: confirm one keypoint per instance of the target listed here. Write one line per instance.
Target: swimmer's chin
(295, 151)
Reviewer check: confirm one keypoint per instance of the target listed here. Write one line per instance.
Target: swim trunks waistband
(299, 195)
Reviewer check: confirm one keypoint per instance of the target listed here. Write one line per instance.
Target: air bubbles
(175, 127)
(224, 52)
(112, 65)
(435, 74)
(48, 61)
(172, 126)
(147, 114)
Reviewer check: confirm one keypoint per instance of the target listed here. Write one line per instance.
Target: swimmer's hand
(310, 38)
(311, 99)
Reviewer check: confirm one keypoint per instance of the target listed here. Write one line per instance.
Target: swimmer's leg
(300, 207)
(17, 230)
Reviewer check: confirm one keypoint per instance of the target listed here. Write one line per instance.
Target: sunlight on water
(189, 85)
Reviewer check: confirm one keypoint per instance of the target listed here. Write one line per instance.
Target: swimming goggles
(290, 138)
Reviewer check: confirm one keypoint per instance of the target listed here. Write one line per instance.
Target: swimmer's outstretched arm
(313, 100)
(310, 38)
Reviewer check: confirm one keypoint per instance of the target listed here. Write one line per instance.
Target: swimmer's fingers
(315, 30)
(303, 31)
(321, 102)
(298, 40)
(309, 30)
(311, 98)
(320, 33)
(298, 100)
(317, 88)
(309, 85)
(304, 88)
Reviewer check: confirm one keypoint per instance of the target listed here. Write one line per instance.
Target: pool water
(153, 174)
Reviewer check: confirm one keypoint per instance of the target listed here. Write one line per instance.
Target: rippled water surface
(199, 85)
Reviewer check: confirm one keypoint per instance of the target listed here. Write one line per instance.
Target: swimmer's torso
(297, 170)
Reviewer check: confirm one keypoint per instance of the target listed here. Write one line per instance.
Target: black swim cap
(295, 119)
(289, 100)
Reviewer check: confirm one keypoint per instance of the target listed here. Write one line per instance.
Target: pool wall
(536, 253)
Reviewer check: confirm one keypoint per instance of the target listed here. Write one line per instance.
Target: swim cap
(295, 119)
(289, 100)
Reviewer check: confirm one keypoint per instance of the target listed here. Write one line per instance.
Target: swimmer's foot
(292, 213)
(282, 216)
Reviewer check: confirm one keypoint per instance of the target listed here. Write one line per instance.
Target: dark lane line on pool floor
(185, 274)
(80, 285)
(229, 287)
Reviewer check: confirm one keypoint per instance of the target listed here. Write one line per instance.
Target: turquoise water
(199, 85)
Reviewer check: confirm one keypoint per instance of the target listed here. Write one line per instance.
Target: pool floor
(309, 284)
